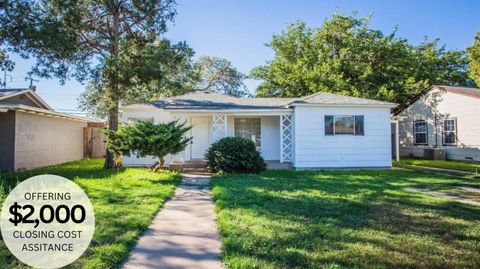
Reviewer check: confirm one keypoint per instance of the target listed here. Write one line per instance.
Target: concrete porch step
(276, 165)
(195, 164)
(190, 166)
(196, 170)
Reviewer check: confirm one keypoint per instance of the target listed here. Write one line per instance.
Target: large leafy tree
(219, 75)
(474, 57)
(117, 44)
(345, 56)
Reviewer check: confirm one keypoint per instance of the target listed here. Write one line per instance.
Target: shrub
(147, 138)
(234, 155)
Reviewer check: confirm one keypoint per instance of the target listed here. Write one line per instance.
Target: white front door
(201, 137)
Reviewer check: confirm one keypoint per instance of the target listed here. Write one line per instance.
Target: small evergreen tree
(147, 138)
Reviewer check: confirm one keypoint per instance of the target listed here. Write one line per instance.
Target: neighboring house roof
(472, 92)
(8, 103)
(4, 107)
(467, 91)
(206, 100)
(6, 94)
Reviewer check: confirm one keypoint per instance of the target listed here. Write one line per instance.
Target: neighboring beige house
(442, 117)
(32, 134)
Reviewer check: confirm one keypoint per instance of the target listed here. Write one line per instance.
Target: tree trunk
(113, 86)
(113, 126)
(159, 165)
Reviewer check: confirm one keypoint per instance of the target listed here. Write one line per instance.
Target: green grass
(453, 165)
(124, 200)
(344, 219)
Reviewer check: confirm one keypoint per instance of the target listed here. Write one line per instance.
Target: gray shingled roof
(326, 98)
(206, 100)
(216, 101)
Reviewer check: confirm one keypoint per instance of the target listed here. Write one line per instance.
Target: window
(420, 132)
(248, 128)
(132, 120)
(344, 125)
(450, 132)
(359, 129)
(329, 125)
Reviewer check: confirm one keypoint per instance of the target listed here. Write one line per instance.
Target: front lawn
(452, 165)
(125, 201)
(344, 219)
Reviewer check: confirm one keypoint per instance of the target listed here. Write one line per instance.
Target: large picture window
(344, 125)
(420, 136)
(249, 128)
(450, 132)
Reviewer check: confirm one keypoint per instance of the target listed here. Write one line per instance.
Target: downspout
(397, 142)
(435, 131)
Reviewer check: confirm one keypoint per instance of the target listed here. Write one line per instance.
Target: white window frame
(354, 125)
(415, 132)
(454, 131)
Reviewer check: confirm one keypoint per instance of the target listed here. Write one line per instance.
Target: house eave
(345, 105)
(138, 107)
(42, 112)
(233, 111)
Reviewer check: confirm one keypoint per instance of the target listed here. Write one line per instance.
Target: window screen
(450, 132)
(420, 132)
(249, 128)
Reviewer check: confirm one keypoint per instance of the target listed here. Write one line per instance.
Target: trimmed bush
(234, 155)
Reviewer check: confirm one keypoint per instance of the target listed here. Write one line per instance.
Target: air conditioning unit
(434, 154)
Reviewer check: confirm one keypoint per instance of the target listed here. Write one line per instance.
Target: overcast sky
(238, 31)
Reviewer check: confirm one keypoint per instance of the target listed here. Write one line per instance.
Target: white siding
(420, 110)
(315, 150)
(467, 111)
(450, 105)
(270, 138)
(230, 126)
(159, 115)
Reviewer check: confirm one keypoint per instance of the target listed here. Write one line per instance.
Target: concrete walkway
(447, 196)
(442, 171)
(183, 234)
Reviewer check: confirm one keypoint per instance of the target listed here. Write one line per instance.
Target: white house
(442, 117)
(323, 130)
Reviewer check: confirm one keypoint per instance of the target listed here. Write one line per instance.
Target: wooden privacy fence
(93, 143)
